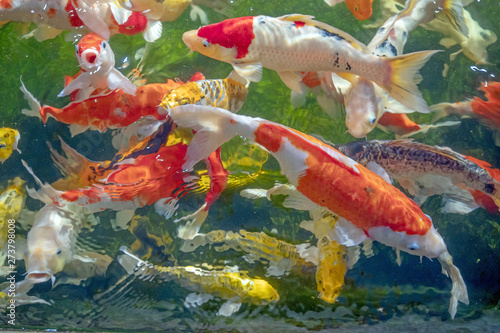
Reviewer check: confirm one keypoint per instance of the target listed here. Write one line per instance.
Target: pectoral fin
(250, 71)
(292, 80)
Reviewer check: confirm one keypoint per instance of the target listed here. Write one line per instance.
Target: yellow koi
(9, 138)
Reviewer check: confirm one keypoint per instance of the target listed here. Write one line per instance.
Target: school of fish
(161, 131)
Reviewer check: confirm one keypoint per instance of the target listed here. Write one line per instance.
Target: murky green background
(378, 293)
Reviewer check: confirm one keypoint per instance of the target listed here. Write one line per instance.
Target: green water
(378, 294)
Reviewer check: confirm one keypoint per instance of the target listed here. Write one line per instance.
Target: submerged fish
(372, 208)
(236, 287)
(9, 139)
(425, 170)
(102, 17)
(485, 111)
(114, 110)
(401, 125)
(361, 9)
(296, 42)
(97, 70)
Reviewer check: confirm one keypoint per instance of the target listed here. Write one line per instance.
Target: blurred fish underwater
(312, 208)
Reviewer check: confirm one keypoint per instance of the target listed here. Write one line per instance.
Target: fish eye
(413, 247)
(103, 44)
(59, 251)
(205, 43)
(372, 120)
(77, 49)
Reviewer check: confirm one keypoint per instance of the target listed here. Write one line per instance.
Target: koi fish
(425, 170)
(97, 65)
(236, 287)
(361, 9)
(487, 112)
(250, 43)
(104, 18)
(9, 139)
(403, 126)
(114, 110)
(372, 208)
(12, 201)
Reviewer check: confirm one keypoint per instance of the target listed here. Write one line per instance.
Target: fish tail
(402, 78)
(424, 128)
(453, 10)
(213, 126)
(458, 289)
(73, 164)
(35, 109)
(46, 194)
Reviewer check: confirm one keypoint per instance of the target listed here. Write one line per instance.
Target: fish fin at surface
(90, 18)
(213, 126)
(118, 80)
(250, 71)
(153, 31)
(401, 85)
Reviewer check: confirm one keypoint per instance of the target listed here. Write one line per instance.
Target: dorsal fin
(309, 20)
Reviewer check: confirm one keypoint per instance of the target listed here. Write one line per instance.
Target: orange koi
(370, 206)
(150, 173)
(403, 126)
(361, 9)
(114, 110)
(486, 111)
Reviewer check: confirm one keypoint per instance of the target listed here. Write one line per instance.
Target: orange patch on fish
(490, 108)
(6, 4)
(361, 9)
(399, 123)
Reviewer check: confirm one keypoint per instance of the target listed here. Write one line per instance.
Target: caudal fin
(458, 289)
(213, 126)
(35, 107)
(404, 76)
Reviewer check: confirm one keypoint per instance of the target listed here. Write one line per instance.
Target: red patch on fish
(90, 41)
(489, 109)
(72, 15)
(6, 4)
(299, 24)
(135, 24)
(51, 12)
(237, 32)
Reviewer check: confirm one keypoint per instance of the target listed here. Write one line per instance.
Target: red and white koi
(295, 43)
(372, 208)
(97, 70)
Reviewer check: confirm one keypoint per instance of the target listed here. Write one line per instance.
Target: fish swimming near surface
(425, 170)
(361, 9)
(111, 111)
(9, 139)
(486, 111)
(372, 207)
(105, 18)
(97, 70)
(297, 43)
(235, 287)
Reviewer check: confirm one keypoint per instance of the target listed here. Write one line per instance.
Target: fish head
(94, 53)
(9, 139)
(430, 245)
(48, 251)
(361, 9)
(226, 41)
(263, 291)
(364, 106)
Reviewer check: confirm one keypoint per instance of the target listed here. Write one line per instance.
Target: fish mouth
(188, 37)
(90, 58)
(39, 277)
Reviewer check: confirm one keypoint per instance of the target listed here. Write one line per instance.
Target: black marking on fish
(389, 46)
(489, 188)
(347, 66)
(326, 33)
(336, 62)
(405, 35)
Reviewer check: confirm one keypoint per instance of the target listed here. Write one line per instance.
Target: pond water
(377, 293)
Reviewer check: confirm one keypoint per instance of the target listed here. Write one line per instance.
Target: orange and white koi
(372, 208)
(485, 111)
(401, 125)
(361, 9)
(114, 110)
(425, 170)
(97, 70)
(102, 17)
(297, 43)
(9, 139)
